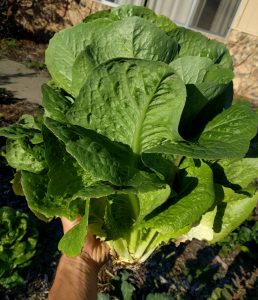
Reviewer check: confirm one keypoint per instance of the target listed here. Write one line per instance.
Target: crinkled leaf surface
(191, 69)
(197, 198)
(24, 147)
(140, 183)
(227, 136)
(195, 44)
(35, 190)
(35, 187)
(95, 153)
(22, 155)
(65, 175)
(55, 103)
(27, 127)
(65, 46)
(235, 126)
(161, 22)
(131, 101)
(13, 226)
(18, 239)
(124, 11)
(17, 131)
(132, 37)
(11, 279)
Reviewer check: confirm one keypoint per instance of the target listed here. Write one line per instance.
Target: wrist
(76, 278)
(82, 264)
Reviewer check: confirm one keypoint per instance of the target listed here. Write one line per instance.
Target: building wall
(242, 42)
(244, 49)
(246, 19)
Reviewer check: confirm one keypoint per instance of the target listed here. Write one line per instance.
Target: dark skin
(76, 277)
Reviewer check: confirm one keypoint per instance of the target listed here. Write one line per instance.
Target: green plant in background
(139, 136)
(33, 64)
(225, 293)
(11, 43)
(238, 239)
(18, 240)
(123, 290)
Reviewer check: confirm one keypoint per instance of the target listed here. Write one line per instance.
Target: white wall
(247, 17)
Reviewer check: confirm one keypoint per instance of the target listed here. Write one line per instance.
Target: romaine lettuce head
(139, 136)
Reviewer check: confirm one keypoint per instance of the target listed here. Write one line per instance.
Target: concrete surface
(23, 82)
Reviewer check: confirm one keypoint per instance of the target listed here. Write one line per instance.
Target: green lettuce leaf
(73, 241)
(65, 46)
(227, 136)
(240, 172)
(191, 69)
(28, 127)
(195, 44)
(129, 38)
(138, 98)
(22, 155)
(96, 154)
(233, 210)
(197, 196)
(124, 11)
(55, 103)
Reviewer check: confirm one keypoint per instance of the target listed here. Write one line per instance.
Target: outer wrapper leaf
(227, 136)
(195, 44)
(233, 210)
(65, 46)
(197, 198)
(125, 11)
(240, 172)
(138, 98)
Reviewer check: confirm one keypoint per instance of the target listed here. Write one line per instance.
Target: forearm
(76, 279)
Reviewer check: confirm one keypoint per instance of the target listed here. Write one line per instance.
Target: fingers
(96, 249)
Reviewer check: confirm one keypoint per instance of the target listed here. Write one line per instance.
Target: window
(213, 16)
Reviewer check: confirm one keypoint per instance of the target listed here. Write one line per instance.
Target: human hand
(94, 249)
(76, 277)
